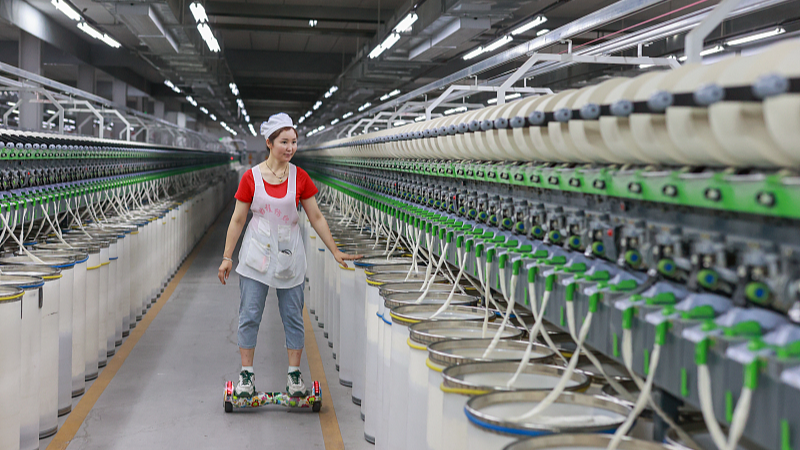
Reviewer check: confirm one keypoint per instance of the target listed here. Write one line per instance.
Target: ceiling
(281, 63)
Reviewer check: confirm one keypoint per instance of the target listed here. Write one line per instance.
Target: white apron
(272, 250)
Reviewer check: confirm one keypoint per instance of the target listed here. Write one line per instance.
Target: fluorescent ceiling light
(252, 130)
(334, 121)
(385, 45)
(455, 110)
(321, 127)
(498, 43)
(399, 123)
(406, 23)
(208, 36)
(364, 106)
(198, 12)
(712, 50)
(542, 31)
(514, 96)
(234, 89)
(203, 108)
(247, 118)
(191, 100)
(172, 86)
(706, 52)
(240, 103)
(645, 66)
(317, 105)
(473, 53)
(66, 9)
(302, 119)
(756, 36)
(419, 118)
(389, 95)
(312, 23)
(347, 115)
(213, 117)
(538, 20)
(308, 114)
(91, 31)
(331, 91)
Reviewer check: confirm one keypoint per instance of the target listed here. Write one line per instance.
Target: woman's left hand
(341, 257)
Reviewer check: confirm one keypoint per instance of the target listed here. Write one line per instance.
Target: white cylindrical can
(77, 344)
(49, 338)
(570, 441)
(66, 264)
(468, 380)
(494, 424)
(30, 359)
(10, 363)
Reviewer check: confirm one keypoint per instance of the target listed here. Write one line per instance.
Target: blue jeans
(253, 296)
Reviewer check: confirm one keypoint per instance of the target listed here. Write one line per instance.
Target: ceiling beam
(296, 12)
(279, 94)
(342, 32)
(249, 61)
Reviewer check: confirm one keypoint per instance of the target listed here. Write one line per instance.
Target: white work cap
(275, 123)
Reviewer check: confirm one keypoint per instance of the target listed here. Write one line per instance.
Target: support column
(158, 109)
(30, 59)
(158, 113)
(119, 97)
(87, 81)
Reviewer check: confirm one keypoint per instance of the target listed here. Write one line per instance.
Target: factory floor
(164, 388)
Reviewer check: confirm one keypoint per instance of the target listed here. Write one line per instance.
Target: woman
(272, 253)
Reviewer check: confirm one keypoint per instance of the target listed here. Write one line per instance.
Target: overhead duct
(452, 32)
(144, 22)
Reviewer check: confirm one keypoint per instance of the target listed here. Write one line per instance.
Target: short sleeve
(306, 186)
(247, 188)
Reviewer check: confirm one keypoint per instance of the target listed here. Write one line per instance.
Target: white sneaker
(247, 385)
(295, 386)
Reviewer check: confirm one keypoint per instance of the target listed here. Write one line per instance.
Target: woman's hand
(224, 271)
(341, 257)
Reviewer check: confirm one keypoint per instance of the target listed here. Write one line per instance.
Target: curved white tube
(532, 338)
(740, 416)
(11, 233)
(433, 277)
(640, 402)
(507, 315)
(463, 265)
(707, 407)
(414, 255)
(573, 362)
(428, 269)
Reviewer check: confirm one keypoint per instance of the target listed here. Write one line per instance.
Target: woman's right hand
(224, 271)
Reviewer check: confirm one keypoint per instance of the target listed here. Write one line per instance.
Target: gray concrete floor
(168, 393)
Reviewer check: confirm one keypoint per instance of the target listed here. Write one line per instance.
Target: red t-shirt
(305, 187)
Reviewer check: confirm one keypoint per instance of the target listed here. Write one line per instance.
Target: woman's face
(284, 146)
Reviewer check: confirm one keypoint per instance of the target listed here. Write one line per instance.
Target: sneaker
(247, 385)
(295, 386)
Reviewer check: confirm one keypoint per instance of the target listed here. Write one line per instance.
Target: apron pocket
(264, 227)
(285, 269)
(257, 256)
(284, 233)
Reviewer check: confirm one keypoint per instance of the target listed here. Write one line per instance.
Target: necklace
(280, 178)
